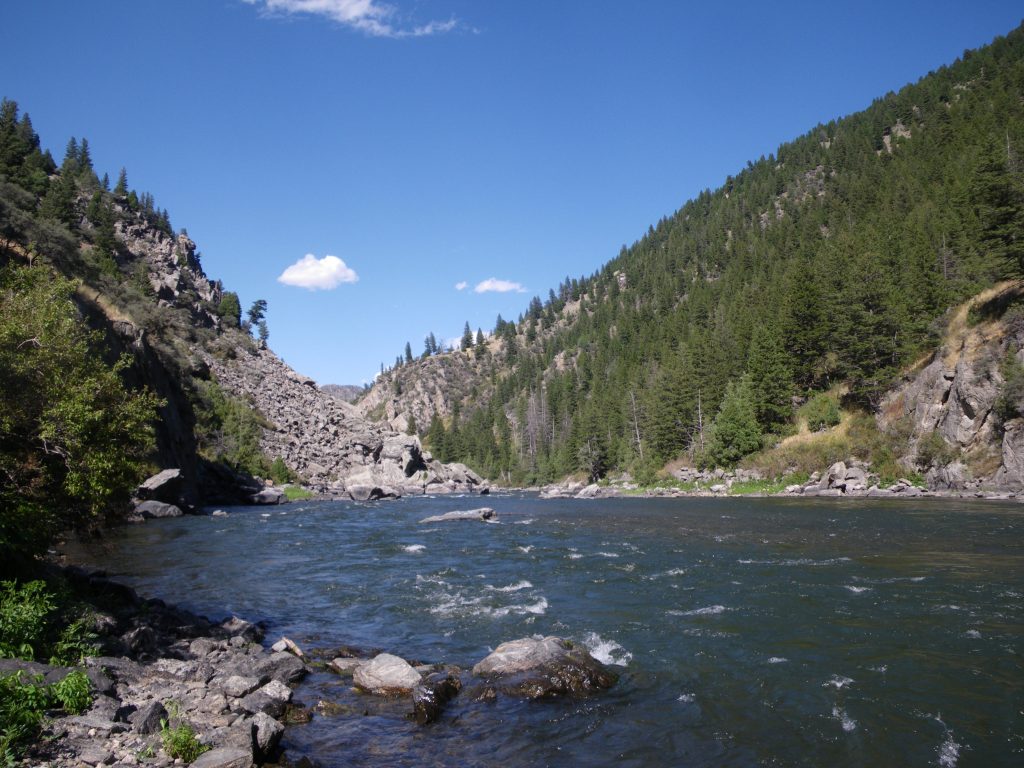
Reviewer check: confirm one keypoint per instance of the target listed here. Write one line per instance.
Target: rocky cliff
(948, 406)
(326, 441)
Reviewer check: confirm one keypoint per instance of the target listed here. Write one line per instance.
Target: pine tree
(121, 188)
(408, 352)
(771, 381)
(735, 432)
(256, 312)
(467, 337)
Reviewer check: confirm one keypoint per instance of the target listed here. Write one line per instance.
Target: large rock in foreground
(386, 675)
(545, 667)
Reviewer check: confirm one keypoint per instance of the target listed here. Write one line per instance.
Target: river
(745, 631)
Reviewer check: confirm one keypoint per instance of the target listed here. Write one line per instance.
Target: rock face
(537, 668)
(953, 395)
(327, 442)
(386, 675)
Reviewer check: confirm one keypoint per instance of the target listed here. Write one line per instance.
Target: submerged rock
(484, 514)
(544, 667)
(386, 675)
(156, 509)
(430, 696)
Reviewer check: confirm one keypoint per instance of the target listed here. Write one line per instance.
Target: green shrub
(933, 451)
(180, 740)
(75, 642)
(22, 705)
(280, 473)
(821, 412)
(73, 693)
(24, 618)
(297, 493)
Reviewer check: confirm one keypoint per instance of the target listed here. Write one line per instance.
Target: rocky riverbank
(165, 670)
(839, 481)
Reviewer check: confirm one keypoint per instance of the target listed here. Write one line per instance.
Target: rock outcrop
(953, 396)
(327, 442)
(544, 667)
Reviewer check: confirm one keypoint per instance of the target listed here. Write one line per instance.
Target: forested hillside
(831, 262)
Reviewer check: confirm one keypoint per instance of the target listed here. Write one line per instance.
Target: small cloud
(494, 285)
(318, 274)
(461, 285)
(371, 17)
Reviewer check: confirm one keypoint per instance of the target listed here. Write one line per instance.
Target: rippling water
(746, 632)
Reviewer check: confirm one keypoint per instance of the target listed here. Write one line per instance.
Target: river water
(745, 631)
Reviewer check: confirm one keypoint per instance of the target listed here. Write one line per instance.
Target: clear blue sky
(427, 143)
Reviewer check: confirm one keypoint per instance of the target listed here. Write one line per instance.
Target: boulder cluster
(328, 443)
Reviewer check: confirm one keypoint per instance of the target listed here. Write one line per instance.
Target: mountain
(119, 356)
(347, 393)
(822, 271)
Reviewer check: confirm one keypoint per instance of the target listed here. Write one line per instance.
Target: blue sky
(429, 143)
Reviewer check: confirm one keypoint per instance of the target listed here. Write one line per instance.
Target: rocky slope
(327, 441)
(948, 406)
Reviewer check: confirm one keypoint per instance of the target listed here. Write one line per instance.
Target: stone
(483, 514)
(164, 486)
(546, 667)
(285, 644)
(344, 665)
(719, 488)
(266, 735)
(95, 754)
(268, 496)
(270, 699)
(237, 686)
(224, 757)
(835, 476)
(237, 627)
(386, 675)
(794, 489)
(283, 667)
(431, 695)
(146, 719)
(157, 509)
(1011, 471)
(952, 477)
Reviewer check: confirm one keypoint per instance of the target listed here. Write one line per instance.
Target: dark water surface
(746, 632)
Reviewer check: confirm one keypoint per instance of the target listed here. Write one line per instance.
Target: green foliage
(1009, 403)
(766, 487)
(228, 430)
(22, 706)
(25, 611)
(75, 641)
(74, 692)
(934, 451)
(771, 382)
(280, 473)
(180, 741)
(735, 432)
(230, 309)
(820, 412)
(73, 438)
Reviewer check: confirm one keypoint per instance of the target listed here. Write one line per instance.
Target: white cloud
(372, 17)
(461, 285)
(318, 274)
(494, 285)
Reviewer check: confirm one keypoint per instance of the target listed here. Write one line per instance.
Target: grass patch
(297, 493)
(180, 741)
(766, 487)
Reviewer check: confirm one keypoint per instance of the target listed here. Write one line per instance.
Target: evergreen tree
(771, 381)
(121, 188)
(256, 312)
(408, 352)
(467, 337)
(735, 432)
(230, 309)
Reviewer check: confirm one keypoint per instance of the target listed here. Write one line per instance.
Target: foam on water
(606, 554)
(711, 610)
(838, 682)
(525, 550)
(687, 698)
(848, 723)
(575, 556)
(973, 634)
(778, 660)
(414, 548)
(524, 584)
(607, 651)
(949, 751)
(527, 521)
(858, 590)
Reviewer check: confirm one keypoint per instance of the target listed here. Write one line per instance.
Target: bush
(933, 451)
(280, 473)
(73, 693)
(821, 412)
(24, 617)
(22, 706)
(180, 740)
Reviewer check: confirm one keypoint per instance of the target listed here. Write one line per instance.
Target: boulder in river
(430, 696)
(151, 509)
(386, 675)
(164, 486)
(484, 513)
(545, 667)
